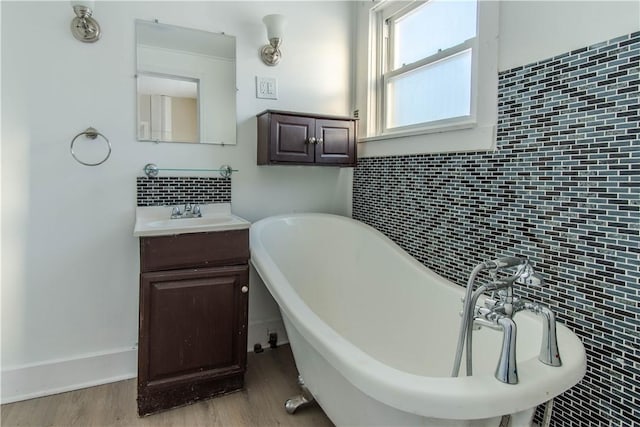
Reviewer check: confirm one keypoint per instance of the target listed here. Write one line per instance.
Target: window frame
(382, 19)
(454, 138)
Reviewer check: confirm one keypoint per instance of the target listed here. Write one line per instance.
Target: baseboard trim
(59, 376)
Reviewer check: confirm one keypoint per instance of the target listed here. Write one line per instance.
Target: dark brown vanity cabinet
(303, 139)
(193, 317)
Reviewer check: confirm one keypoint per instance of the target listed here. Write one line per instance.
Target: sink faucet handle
(490, 303)
(196, 210)
(175, 212)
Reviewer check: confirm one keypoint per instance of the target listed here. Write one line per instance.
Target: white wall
(69, 261)
(535, 30)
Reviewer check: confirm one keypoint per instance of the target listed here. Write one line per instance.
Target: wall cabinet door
(336, 142)
(193, 332)
(290, 136)
(300, 139)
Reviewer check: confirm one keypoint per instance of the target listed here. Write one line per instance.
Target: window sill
(419, 131)
(469, 138)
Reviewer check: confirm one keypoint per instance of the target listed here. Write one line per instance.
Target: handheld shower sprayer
(524, 275)
(505, 262)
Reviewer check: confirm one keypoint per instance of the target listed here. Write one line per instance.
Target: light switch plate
(266, 87)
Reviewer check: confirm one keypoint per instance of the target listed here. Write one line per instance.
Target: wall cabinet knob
(245, 289)
(312, 140)
(320, 141)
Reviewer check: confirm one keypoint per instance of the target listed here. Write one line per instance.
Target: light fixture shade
(275, 26)
(86, 3)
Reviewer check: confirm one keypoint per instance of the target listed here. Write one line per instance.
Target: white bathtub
(373, 332)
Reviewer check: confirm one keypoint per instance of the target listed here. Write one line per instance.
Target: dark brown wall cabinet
(303, 139)
(193, 317)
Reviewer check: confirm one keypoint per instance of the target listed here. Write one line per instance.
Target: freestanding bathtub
(373, 332)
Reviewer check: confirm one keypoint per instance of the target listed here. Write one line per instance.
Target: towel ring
(91, 133)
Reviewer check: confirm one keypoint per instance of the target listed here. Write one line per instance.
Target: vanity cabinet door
(193, 333)
(336, 142)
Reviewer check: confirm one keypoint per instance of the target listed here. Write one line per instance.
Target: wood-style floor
(270, 380)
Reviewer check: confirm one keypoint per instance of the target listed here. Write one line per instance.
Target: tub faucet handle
(527, 276)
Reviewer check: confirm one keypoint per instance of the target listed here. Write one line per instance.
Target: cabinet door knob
(312, 140)
(320, 141)
(245, 289)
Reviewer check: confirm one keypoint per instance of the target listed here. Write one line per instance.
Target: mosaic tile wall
(167, 190)
(562, 188)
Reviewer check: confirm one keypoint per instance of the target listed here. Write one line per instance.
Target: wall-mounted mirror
(186, 85)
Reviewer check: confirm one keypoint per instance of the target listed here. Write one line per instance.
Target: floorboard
(271, 379)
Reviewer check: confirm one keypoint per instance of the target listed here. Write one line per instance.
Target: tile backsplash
(164, 191)
(562, 188)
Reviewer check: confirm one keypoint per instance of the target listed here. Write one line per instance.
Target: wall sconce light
(270, 53)
(84, 27)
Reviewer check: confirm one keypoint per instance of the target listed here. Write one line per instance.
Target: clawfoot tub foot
(302, 400)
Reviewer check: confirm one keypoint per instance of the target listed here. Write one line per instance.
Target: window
(424, 67)
(426, 76)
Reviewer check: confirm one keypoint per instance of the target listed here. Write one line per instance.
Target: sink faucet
(190, 211)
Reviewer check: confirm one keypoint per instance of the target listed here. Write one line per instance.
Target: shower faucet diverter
(497, 313)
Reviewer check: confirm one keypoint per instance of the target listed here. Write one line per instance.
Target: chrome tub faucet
(497, 313)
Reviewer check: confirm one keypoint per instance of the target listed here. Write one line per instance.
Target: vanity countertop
(156, 221)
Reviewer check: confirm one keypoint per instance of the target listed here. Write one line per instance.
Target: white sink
(156, 220)
(190, 222)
